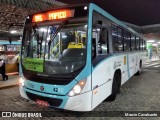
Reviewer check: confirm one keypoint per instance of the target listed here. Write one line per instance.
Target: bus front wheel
(115, 88)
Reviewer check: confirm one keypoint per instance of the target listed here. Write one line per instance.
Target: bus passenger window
(117, 39)
(133, 42)
(127, 41)
(137, 43)
(141, 44)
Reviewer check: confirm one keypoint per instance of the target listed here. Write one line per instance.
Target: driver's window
(99, 35)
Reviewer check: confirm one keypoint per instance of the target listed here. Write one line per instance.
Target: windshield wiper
(41, 44)
(55, 34)
(37, 38)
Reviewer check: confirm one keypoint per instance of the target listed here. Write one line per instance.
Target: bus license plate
(43, 103)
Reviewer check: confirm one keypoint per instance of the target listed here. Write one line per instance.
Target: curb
(8, 86)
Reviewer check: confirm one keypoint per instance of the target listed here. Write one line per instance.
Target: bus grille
(52, 101)
(54, 81)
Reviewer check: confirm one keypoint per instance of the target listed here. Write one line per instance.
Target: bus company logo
(41, 88)
(6, 114)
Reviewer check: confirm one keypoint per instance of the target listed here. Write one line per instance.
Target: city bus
(75, 57)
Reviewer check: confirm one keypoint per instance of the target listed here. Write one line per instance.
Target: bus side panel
(132, 63)
(141, 56)
(144, 57)
(102, 77)
(101, 82)
(80, 102)
(137, 62)
(132, 66)
(101, 93)
(121, 63)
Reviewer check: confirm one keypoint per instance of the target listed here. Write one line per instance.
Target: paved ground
(140, 93)
(152, 65)
(12, 80)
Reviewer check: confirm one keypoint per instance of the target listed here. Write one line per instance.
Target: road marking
(151, 64)
(157, 66)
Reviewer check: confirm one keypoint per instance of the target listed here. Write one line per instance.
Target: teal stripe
(48, 88)
(87, 70)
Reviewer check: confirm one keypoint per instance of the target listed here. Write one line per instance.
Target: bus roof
(92, 7)
(113, 19)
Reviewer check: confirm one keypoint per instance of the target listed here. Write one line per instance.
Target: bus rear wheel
(139, 70)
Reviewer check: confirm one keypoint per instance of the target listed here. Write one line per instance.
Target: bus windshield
(54, 48)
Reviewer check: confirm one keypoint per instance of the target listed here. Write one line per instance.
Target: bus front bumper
(80, 102)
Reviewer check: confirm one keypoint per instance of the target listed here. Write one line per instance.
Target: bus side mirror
(98, 24)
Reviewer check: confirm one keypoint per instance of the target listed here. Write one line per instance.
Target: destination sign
(53, 15)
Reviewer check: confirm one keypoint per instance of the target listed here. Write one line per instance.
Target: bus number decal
(55, 89)
(61, 90)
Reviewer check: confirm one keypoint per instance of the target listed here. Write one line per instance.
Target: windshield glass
(54, 49)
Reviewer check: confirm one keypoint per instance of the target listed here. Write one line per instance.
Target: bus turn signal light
(77, 88)
(21, 81)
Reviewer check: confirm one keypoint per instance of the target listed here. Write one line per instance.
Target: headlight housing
(76, 90)
(21, 81)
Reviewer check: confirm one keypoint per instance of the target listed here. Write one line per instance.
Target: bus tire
(118, 79)
(112, 97)
(139, 70)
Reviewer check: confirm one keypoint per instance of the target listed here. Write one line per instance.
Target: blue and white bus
(75, 57)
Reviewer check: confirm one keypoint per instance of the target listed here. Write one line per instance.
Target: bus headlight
(21, 81)
(77, 88)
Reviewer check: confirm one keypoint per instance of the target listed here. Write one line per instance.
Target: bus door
(100, 70)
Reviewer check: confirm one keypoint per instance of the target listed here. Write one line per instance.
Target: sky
(138, 12)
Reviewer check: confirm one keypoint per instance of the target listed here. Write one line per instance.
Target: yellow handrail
(54, 49)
